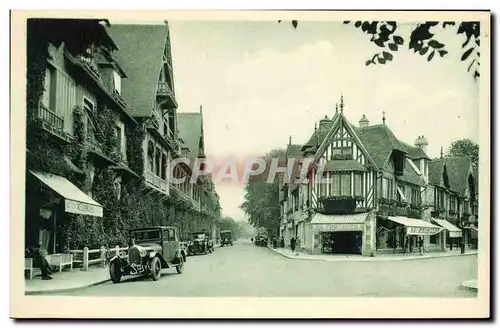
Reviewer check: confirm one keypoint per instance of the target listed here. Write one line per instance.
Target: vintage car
(261, 240)
(226, 237)
(152, 250)
(200, 243)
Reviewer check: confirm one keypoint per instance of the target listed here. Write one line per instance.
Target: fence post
(117, 252)
(85, 259)
(103, 256)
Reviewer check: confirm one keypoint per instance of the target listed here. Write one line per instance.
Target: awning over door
(75, 200)
(416, 226)
(346, 222)
(455, 232)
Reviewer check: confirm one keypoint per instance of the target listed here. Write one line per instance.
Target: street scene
(273, 159)
(248, 270)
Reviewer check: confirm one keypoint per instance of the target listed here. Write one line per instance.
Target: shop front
(49, 198)
(411, 231)
(342, 234)
(450, 234)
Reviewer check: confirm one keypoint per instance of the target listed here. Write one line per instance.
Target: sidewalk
(66, 281)
(286, 252)
(470, 284)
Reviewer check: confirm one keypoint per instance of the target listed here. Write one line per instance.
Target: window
(118, 189)
(345, 184)
(323, 184)
(163, 166)
(400, 193)
(118, 133)
(88, 105)
(47, 86)
(117, 80)
(415, 196)
(388, 188)
(343, 152)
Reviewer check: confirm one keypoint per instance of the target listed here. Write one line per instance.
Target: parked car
(261, 240)
(200, 243)
(152, 250)
(226, 237)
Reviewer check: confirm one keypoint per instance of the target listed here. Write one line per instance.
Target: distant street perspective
(249, 270)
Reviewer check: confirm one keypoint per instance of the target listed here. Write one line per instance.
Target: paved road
(248, 270)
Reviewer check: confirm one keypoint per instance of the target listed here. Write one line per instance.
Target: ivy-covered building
(101, 131)
(77, 123)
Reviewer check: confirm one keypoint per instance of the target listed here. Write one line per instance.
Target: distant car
(261, 240)
(153, 249)
(226, 238)
(200, 243)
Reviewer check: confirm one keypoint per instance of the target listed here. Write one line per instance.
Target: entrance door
(347, 242)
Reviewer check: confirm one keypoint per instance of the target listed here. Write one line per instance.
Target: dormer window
(117, 82)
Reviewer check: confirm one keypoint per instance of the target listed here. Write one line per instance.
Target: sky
(261, 82)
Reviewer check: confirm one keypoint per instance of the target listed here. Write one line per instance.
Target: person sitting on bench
(38, 255)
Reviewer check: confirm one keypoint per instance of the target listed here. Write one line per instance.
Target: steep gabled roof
(436, 167)
(458, 169)
(410, 176)
(190, 131)
(140, 55)
(380, 142)
(414, 152)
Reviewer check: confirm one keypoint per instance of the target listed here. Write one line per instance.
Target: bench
(28, 265)
(60, 260)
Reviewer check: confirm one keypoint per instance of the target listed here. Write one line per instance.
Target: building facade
(100, 135)
(360, 190)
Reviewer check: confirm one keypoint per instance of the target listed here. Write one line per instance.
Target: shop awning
(346, 222)
(455, 232)
(75, 200)
(416, 226)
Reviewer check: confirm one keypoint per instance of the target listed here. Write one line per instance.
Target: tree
(464, 148)
(261, 202)
(421, 40)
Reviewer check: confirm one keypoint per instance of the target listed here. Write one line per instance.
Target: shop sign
(75, 207)
(338, 227)
(422, 230)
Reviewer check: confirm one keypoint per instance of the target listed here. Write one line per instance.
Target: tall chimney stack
(364, 122)
(421, 142)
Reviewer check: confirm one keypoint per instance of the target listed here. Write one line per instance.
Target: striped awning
(345, 222)
(455, 232)
(416, 226)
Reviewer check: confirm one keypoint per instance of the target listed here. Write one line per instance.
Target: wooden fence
(101, 256)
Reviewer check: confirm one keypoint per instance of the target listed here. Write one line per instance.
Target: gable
(142, 65)
(342, 136)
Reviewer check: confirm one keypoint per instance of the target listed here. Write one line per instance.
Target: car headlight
(143, 252)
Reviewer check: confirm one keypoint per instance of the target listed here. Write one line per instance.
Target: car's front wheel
(180, 267)
(155, 268)
(115, 272)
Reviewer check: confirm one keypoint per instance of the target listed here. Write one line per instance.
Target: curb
(468, 285)
(367, 260)
(63, 290)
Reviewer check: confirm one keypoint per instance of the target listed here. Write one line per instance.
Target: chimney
(325, 123)
(421, 142)
(364, 122)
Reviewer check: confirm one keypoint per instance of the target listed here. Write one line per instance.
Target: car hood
(149, 246)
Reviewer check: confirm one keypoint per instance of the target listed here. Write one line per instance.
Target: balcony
(88, 64)
(393, 207)
(338, 204)
(164, 91)
(52, 123)
(156, 182)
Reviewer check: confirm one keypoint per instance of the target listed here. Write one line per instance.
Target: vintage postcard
(239, 164)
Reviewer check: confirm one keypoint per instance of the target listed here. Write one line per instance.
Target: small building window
(117, 82)
(358, 184)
